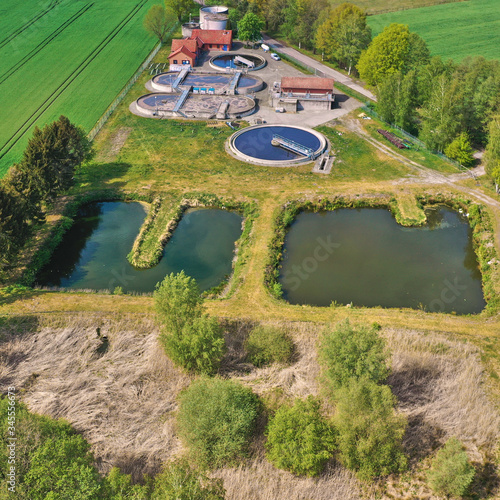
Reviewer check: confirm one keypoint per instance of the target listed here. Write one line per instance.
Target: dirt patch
(114, 145)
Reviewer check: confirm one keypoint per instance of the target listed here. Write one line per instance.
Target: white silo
(213, 9)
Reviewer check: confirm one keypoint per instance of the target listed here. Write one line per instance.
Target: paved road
(309, 61)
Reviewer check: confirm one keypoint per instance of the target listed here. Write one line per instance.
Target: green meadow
(64, 57)
(453, 30)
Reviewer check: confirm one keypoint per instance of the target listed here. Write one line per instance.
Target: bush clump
(267, 344)
(348, 352)
(216, 420)
(298, 438)
(192, 340)
(451, 473)
(179, 480)
(370, 433)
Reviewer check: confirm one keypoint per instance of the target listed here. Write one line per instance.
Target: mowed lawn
(64, 57)
(453, 30)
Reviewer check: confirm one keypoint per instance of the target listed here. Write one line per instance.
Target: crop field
(454, 30)
(64, 57)
(379, 6)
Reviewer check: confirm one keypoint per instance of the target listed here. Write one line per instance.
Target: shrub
(266, 345)
(118, 486)
(63, 468)
(50, 457)
(199, 347)
(460, 150)
(348, 352)
(298, 438)
(216, 419)
(181, 481)
(369, 432)
(451, 472)
(191, 339)
(177, 301)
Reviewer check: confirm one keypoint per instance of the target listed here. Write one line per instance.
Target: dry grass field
(123, 398)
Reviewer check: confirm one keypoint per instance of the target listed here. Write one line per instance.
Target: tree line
(450, 106)
(46, 170)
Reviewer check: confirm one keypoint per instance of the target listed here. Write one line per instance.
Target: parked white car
(276, 57)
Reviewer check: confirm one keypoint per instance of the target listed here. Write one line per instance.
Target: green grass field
(454, 30)
(67, 57)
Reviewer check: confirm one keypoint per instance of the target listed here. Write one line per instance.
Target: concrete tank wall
(187, 29)
(214, 9)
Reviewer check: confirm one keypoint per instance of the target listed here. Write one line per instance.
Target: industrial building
(294, 94)
(303, 85)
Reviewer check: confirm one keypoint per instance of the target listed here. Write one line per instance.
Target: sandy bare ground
(123, 399)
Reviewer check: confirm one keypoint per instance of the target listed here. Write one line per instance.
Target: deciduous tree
(442, 117)
(216, 419)
(344, 35)
(393, 50)
(460, 150)
(350, 353)
(492, 154)
(191, 339)
(179, 8)
(157, 23)
(249, 27)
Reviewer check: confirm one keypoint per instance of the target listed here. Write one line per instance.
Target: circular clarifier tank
(277, 145)
(237, 61)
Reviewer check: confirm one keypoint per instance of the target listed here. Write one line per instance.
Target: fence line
(418, 142)
(104, 118)
(301, 64)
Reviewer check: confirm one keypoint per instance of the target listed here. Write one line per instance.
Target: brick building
(187, 51)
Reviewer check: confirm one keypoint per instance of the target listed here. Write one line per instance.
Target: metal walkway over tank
(234, 83)
(180, 77)
(245, 61)
(181, 100)
(293, 146)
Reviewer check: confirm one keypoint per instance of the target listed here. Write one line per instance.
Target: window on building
(175, 61)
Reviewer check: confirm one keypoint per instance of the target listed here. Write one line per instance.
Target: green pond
(364, 257)
(93, 253)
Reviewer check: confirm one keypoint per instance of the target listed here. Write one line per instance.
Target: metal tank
(214, 9)
(215, 22)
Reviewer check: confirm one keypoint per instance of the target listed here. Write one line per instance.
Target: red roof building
(186, 50)
(307, 85)
(182, 55)
(214, 39)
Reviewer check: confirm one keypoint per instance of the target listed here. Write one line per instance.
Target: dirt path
(429, 176)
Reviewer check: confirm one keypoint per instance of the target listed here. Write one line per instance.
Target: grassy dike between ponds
(165, 215)
(479, 220)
